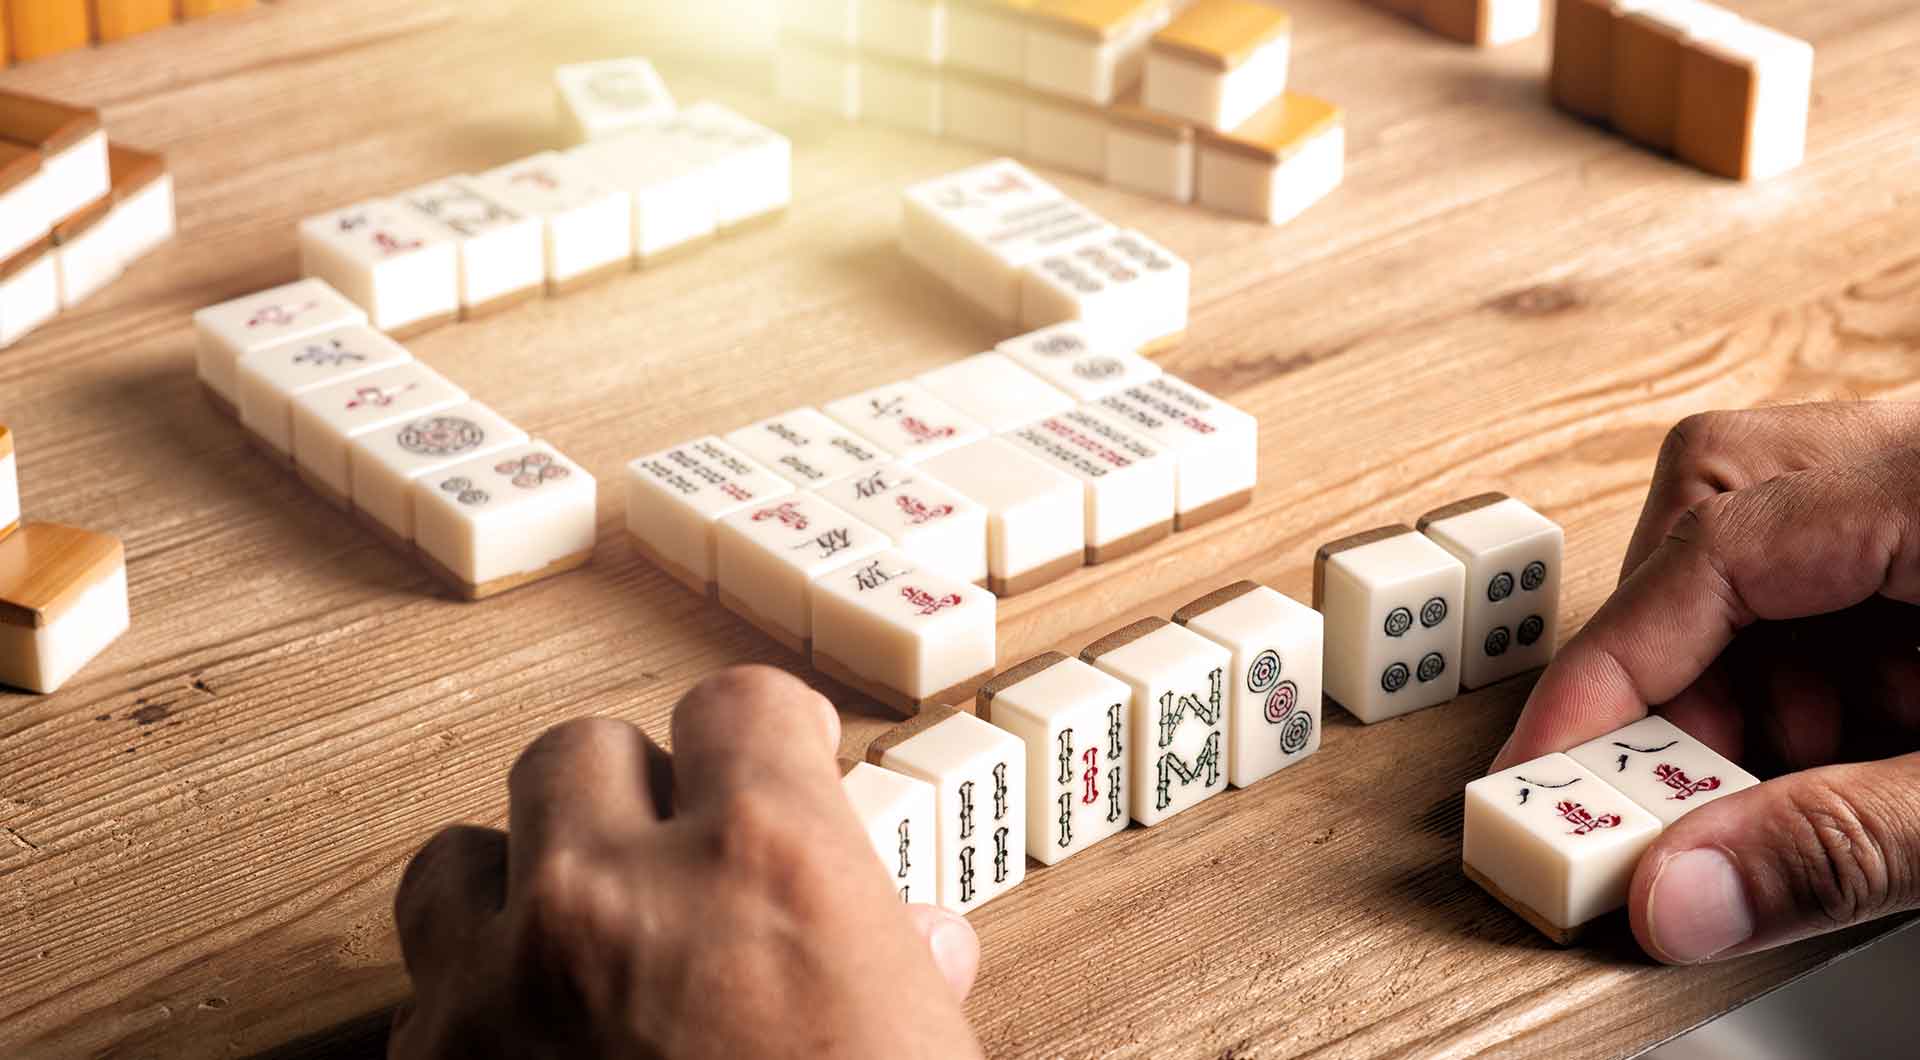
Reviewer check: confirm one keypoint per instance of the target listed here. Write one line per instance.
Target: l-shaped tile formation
(1184, 101)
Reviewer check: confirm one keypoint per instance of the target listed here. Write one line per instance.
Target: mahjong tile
(600, 98)
(63, 599)
(1273, 715)
(505, 519)
(897, 813)
(905, 635)
(1128, 290)
(928, 521)
(978, 774)
(1178, 711)
(268, 379)
(807, 448)
(1075, 723)
(1513, 557)
(768, 555)
(385, 462)
(675, 496)
(993, 390)
(1392, 601)
(233, 329)
(905, 419)
(502, 251)
(673, 194)
(1073, 359)
(1128, 482)
(1662, 769)
(327, 418)
(587, 222)
(403, 269)
(1036, 514)
(1217, 446)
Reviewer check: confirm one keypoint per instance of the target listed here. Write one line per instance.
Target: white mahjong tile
(9, 483)
(269, 378)
(502, 251)
(1554, 838)
(235, 328)
(403, 269)
(673, 191)
(675, 496)
(326, 418)
(1128, 290)
(384, 462)
(829, 21)
(1761, 79)
(1662, 769)
(29, 291)
(1149, 152)
(981, 111)
(1073, 359)
(767, 556)
(1273, 713)
(143, 201)
(929, 522)
(1178, 715)
(901, 633)
(897, 812)
(587, 222)
(1074, 721)
(85, 253)
(825, 79)
(988, 37)
(1393, 602)
(979, 778)
(495, 521)
(993, 390)
(604, 97)
(63, 599)
(1288, 156)
(1036, 514)
(905, 29)
(1218, 62)
(807, 448)
(1128, 482)
(1065, 133)
(1513, 559)
(1217, 446)
(23, 218)
(905, 419)
(976, 228)
(755, 163)
(1090, 52)
(902, 95)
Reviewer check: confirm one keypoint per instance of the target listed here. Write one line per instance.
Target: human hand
(721, 902)
(1766, 606)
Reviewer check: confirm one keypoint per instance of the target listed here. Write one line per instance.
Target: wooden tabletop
(200, 836)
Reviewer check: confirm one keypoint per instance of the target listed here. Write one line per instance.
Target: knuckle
(1836, 859)
(1695, 440)
(570, 902)
(760, 836)
(750, 682)
(426, 863)
(565, 739)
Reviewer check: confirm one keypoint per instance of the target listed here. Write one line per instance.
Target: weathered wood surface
(199, 837)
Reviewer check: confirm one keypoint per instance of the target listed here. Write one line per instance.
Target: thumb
(956, 949)
(1798, 856)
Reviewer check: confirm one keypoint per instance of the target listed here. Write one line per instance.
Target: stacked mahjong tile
(1487, 23)
(1062, 752)
(435, 474)
(1184, 101)
(63, 591)
(36, 29)
(75, 211)
(862, 533)
(650, 181)
(1724, 94)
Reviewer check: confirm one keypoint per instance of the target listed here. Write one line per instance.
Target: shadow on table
(361, 1039)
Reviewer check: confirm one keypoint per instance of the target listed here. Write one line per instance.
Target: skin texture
(1767, 606)
(718, 902)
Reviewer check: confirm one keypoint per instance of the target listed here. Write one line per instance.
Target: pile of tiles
(1186, 101)
(35, 29)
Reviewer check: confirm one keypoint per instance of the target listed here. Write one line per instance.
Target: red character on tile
(788, 515)
(1684, 787)
(928, 603)
(1583, 820)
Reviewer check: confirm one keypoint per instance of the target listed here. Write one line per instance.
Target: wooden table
(200, 837)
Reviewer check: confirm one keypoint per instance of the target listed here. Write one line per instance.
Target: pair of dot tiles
(1468, 598)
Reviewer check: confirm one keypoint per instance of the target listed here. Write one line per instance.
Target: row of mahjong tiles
(433, 473)
(1157, 716)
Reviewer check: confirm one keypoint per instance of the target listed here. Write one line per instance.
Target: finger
(1798, 856)
(1721, 452)
(752, 726)
(583, 782)
(955, 946)
(450, 891)
(1809, 543)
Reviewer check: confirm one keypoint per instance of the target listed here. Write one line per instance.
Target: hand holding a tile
(1770, 606)
(718, 902)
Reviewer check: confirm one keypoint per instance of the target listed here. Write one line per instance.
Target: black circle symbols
(1399, 620)
(1500, 587)
(1499, 638)
(1433, 612)
(1534, 576)
(1530, 630)
(1395, 678)
(1432, 665)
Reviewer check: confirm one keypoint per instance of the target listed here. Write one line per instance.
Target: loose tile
(502, 252)
(401, 268)
(1392, 601)
(1662, 769)
(1744, 95)
(269, 378)
(1128, 290)
(586, 222)
(327, 418)
(385, 462)
(1288, 156)
(63, 599)
(1218, 62)
(601, 98)
(1513, 557)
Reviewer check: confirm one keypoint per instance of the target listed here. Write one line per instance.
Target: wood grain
(199, 836)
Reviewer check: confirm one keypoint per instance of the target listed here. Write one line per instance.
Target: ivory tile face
(1392, 601)
(1744, 95)
(385, 463)
(1217, 446)
(929, 522)
(269, 378)
(600, 98)
(1149, 153)
(901, 95)
(142, 217)
(1288, 156)
(673, 196)
(808, 449)
(995, 392)
(1178, 714)
(983, 112)
(586, 222)
(767, 556)
(675, 497)
(1065, 133)
(327, 418)
(1513, 556)
(988, 37)
(1128, 482)
(29, 291)
(1127, 289)
(86, 255)
(979, 778)
(754, 164)
(827, 21)
(906, 420)
(1663, 770)
(9, 484)
(901, 633)
(1072, 358)
(905, 29)
(1555, 840)
(898, 813)
(822, 78)
(1036, 515)
(401, 268)
(23, 220)
(500, 520)
(1218, 62)
(292, 311)
(976, 228)
(1090, 51)
(63, 599)
(1073, 720)
(1273, 710)
(502, 252)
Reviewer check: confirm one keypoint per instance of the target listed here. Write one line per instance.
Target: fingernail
(951, 940)
(1698, 907)
(830, 722)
